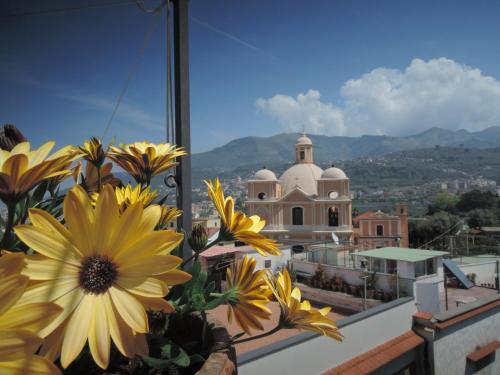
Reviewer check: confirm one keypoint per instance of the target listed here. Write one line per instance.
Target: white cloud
(307, 110)
(438, 92)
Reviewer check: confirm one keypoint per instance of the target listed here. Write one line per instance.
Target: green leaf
(176, 355)
(210, 287)
(156, 363)
(196, 358)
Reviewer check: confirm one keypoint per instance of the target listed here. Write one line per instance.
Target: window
(380, 230)
(302, 155)
(297, 216)
(333, 217)
(267, 263)
(261, 196)
(401, 211)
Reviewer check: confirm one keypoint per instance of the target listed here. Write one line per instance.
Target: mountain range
(278, 150)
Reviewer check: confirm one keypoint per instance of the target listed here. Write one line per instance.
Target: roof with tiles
(379, 356)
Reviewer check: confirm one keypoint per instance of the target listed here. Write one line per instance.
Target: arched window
(297, 216)
(333, 217)
(261, 196)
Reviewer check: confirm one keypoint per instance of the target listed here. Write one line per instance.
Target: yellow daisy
(297, 314)
(252, 295)
(144, 160)
(168, 214)
(20, 323)
(127, 196)
(93, 152)
(104, 268)
(22, 169)
(238, 225)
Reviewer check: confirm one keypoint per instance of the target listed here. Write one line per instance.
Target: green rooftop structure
(408, 263)
(402, 254)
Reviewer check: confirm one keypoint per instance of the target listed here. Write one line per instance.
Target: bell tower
(304, 150)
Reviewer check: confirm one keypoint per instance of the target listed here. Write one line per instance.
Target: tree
(430, 228)
(443, 202)
(481, 218)
(476, 199)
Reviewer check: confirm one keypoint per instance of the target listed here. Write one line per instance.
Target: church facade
(306, 203)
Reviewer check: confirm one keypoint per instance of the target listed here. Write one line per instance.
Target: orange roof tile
(484, 351)
(423, 315)
(379, 356)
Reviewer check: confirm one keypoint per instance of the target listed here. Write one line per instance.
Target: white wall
(320, 354)
(485, 272)
(384, 281)
(406, 269)
(277, 262)
(450, 351)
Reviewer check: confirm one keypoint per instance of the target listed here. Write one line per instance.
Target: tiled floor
(220, 314)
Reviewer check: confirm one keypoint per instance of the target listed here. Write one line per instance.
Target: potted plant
(98, 267)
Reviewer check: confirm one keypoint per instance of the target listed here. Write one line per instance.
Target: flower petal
(174, 277)
(77, 330)
(32, 316)
(130, 309)
(143, 286)
(39, 267)
(99, 339)
(11, 290)
(150, 265)
(47, 244)
(17, 344)
(33, 365)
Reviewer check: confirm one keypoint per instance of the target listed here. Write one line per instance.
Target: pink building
(378, 229)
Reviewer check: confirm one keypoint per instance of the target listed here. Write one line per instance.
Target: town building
(306, 203)
(377, 229)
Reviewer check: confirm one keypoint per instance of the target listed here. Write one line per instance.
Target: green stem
(98, 178)
(204, 330)
(195, 255)
(6, 239)
(265, 334)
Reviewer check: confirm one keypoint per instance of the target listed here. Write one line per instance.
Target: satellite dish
(335, 238)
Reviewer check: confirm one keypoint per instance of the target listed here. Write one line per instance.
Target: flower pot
(221, 362)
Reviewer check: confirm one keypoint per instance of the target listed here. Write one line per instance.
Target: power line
(442, 234)
(132, 71)
(67, 9)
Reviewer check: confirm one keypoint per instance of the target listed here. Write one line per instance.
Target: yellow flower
(238, 225)
(297, 314)
(168, 214)
(22, 169)
(252, 295)
(127, 196)
(20, 323)
(144, 160)
(93, 152)
(104, 268)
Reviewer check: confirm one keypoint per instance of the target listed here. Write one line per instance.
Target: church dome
(303, 176)
(304, 140)
(334, 173)
(265, 175)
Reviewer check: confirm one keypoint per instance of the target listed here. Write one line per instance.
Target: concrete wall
(362, 332)
(383, 282)
(277, 262)
(451, 349)
(485, 272)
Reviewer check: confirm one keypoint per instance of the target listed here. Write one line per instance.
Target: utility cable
(135, 65)
(442, 234)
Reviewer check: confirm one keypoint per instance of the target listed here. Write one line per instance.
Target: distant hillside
(273, 152)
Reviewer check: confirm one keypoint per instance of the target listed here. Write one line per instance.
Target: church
(306, 204)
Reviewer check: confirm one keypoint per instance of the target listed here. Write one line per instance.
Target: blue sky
(337, 67)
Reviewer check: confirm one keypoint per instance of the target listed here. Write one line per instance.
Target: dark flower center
(97, 274)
